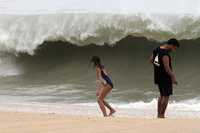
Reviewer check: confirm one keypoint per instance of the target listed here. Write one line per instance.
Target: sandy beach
(51, 123)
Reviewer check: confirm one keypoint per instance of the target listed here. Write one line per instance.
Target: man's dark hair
(173, 42)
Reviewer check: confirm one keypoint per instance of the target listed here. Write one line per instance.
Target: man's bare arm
(168, 69)
(151, 59)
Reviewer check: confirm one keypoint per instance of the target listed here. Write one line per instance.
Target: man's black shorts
(166, 88)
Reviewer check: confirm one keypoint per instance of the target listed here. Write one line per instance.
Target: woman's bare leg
(112, 111)
(102, 95)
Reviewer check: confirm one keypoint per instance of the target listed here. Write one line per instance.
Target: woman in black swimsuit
(105, 87)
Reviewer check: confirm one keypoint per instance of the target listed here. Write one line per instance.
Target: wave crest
(23, 33)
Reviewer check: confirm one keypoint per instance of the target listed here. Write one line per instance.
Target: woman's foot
(111, 112)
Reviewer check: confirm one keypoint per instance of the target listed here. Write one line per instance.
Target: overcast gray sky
(142, 6)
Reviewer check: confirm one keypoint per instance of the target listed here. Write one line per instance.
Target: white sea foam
(8, 66)
(186, 105)
(183, 109)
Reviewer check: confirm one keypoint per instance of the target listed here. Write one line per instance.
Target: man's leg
(166, 100)
(164, 103)
(159, 107)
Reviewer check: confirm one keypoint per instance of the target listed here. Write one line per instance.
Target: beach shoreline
(19, 122)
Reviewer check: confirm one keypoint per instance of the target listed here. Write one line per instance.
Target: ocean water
(45, 48)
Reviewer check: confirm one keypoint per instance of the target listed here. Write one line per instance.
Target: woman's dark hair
(96, 60)
(173, 42)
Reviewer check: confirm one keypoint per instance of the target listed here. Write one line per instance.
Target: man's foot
(161, 116)
(111, 112)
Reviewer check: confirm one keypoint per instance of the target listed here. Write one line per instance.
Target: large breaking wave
(24, 33)
(58, 79)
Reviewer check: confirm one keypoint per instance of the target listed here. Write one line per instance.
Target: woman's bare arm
(98, 73)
